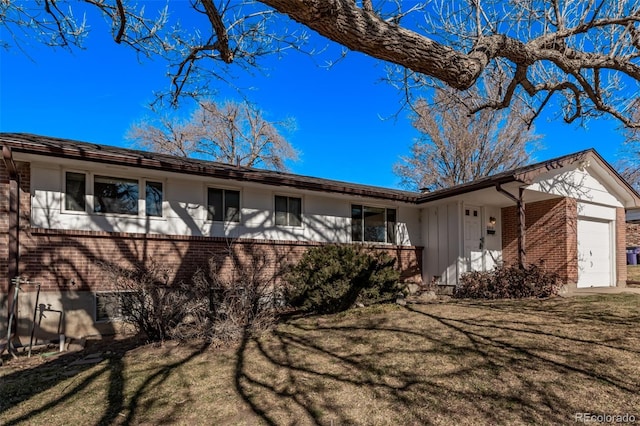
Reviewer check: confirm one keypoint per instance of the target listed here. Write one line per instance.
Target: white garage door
(594, 253)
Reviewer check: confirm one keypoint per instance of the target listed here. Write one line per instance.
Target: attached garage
(574, 223)
(564, 215)
(596, 257)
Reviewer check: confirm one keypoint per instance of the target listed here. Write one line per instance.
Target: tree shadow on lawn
(463, 362)
(424, 365)
(613, 309)
(26, 384)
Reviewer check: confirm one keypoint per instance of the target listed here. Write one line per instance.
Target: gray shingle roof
(65, 148)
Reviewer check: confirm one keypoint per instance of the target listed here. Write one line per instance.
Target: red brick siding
(551, 236)
(57, 259)
(621, 248)
(4, 227)
(24, 170)
(633, 234)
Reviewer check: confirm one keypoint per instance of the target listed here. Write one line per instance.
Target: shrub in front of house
(216, 306)
(333, 278)
(147, 299)
(508, 282)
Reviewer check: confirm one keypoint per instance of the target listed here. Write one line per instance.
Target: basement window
(113, 306)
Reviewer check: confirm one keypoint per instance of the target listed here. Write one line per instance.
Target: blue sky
(344, 115)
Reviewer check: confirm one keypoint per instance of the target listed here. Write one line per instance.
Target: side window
(75, 191)
(115, 195)
(288, 211)
(223, 205)
(153, 198)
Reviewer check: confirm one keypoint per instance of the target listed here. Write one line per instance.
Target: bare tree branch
(585, 53)
(222, 43)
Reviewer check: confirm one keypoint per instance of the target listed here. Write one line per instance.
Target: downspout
(14, 219)
(522, 256)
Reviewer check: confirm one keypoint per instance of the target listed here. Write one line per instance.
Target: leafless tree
(630, 170)
(629, 166)
(457, 147)
(233, 133)
(585, 53)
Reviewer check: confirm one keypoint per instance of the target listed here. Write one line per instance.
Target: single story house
(67, 208)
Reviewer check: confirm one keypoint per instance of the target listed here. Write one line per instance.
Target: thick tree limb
(222, 44)
(345, 23)
(587, 51)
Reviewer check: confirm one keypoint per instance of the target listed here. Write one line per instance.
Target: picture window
(373, 224)
(115, 195)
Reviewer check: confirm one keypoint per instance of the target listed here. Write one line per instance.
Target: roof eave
(222, 172)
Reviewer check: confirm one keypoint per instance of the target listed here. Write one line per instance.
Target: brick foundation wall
(633, 234)
(76, 260)
(551, 236)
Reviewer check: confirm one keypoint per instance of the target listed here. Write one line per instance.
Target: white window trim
(90, 196)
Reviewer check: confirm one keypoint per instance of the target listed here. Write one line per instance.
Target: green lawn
(462, 362)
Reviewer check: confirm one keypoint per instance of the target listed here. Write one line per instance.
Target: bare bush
(147, 299)
(242, 292)
(508, 282)
(232, 294)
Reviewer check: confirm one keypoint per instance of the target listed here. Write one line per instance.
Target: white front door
(473, 244)
(594, 253)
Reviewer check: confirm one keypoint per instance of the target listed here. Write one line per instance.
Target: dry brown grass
(633, 273)
(464, 362)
